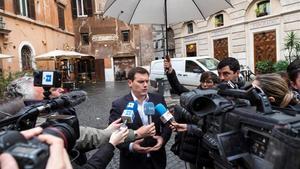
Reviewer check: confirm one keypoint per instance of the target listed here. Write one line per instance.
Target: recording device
(26, 117)
(128, 113)
(248, 136)
(149, 110)
(47, 78)
(165, 115)
(33, 154)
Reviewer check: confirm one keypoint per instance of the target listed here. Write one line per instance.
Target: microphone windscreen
(132, 106)
(74, 98)
(149, 109)
(160, 108)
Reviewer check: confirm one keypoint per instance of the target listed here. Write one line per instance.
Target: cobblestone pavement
(95, 112)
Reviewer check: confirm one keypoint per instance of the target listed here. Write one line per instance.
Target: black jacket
(100, 159)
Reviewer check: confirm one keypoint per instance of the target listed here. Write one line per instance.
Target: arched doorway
(26, 57)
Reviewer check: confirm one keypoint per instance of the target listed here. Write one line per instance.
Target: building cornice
(236, 24)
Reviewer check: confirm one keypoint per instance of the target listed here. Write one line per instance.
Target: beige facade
(34, 29)
(242, 32)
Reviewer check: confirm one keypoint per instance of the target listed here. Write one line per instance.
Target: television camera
(242, 130)
(33, 153)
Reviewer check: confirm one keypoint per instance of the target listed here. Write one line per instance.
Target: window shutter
(74, 8)
(2, 4)
(31, 9)
(61, 17)
(89, 7)
(17, 7)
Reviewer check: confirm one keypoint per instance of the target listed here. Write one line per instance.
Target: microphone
(70, 99)
(149, 110)
(128, 113)
(165, 115)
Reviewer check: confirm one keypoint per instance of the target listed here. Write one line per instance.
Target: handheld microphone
(128, 113)
(149, 110)
(165, 115)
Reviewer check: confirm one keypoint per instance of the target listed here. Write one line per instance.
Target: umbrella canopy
(154, 11)
(3, 56)
(60, 54)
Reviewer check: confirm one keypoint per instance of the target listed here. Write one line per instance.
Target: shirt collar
(135, 98)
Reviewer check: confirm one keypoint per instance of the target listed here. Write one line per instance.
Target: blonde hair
(275, 86)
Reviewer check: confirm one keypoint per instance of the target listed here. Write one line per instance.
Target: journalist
(58, 158)
(90, 138)
(140, 154)
(293, 71)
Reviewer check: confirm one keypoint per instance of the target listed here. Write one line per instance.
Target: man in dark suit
(140, 154)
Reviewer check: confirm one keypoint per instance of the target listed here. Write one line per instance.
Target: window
(263, 8)
(61, 16)
(25, 8)
(26, 58)
(191, 50)
(155, 44)
(219, 20)
(99, 6)
(2, 4)
(162, 43)
(125, 36)
(85, 38)
(191, 65)
(190, 27)
(83, 8)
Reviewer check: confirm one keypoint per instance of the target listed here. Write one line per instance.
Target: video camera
(32, 153)
(243, 131)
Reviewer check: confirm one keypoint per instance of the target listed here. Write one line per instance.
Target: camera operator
(90, 138)
(58, 155)
(293, 71)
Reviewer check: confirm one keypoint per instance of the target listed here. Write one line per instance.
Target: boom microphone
(70, 99)
(149, 110)
(165, 115)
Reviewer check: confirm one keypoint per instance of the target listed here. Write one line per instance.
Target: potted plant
(292, 45)
(264, 66)
(281, 65)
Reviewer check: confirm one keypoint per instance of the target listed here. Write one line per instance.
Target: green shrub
(281, 65)
(264, 66)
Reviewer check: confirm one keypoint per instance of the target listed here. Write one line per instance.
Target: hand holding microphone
(128, 113)
(165, 116)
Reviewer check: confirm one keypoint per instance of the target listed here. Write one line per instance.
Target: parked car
(188, 69)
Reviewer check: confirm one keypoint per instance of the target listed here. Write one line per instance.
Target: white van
(188, 69)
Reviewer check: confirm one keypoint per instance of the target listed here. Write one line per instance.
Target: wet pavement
(95, 112)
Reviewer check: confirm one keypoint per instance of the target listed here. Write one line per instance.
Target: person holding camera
(58, 157)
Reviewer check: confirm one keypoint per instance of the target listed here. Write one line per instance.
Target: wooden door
(221, 48)
(265, 46)
(99, 69)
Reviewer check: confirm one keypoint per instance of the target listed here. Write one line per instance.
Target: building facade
(252, 31)
(116, 46)
(32, 27)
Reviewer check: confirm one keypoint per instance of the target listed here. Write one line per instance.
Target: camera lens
(63, 131)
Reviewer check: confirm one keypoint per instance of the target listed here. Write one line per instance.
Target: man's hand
(114, 125)
(7, 161)
(159, 143)
(168, 65)
(118, 136)
(178, 127)
(145, 131)
(58, 155)
(136, 147)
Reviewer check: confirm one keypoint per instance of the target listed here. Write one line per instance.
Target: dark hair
(294, 74)
(136, 70)
(209, 75)
(293, 65)
(233, 64)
